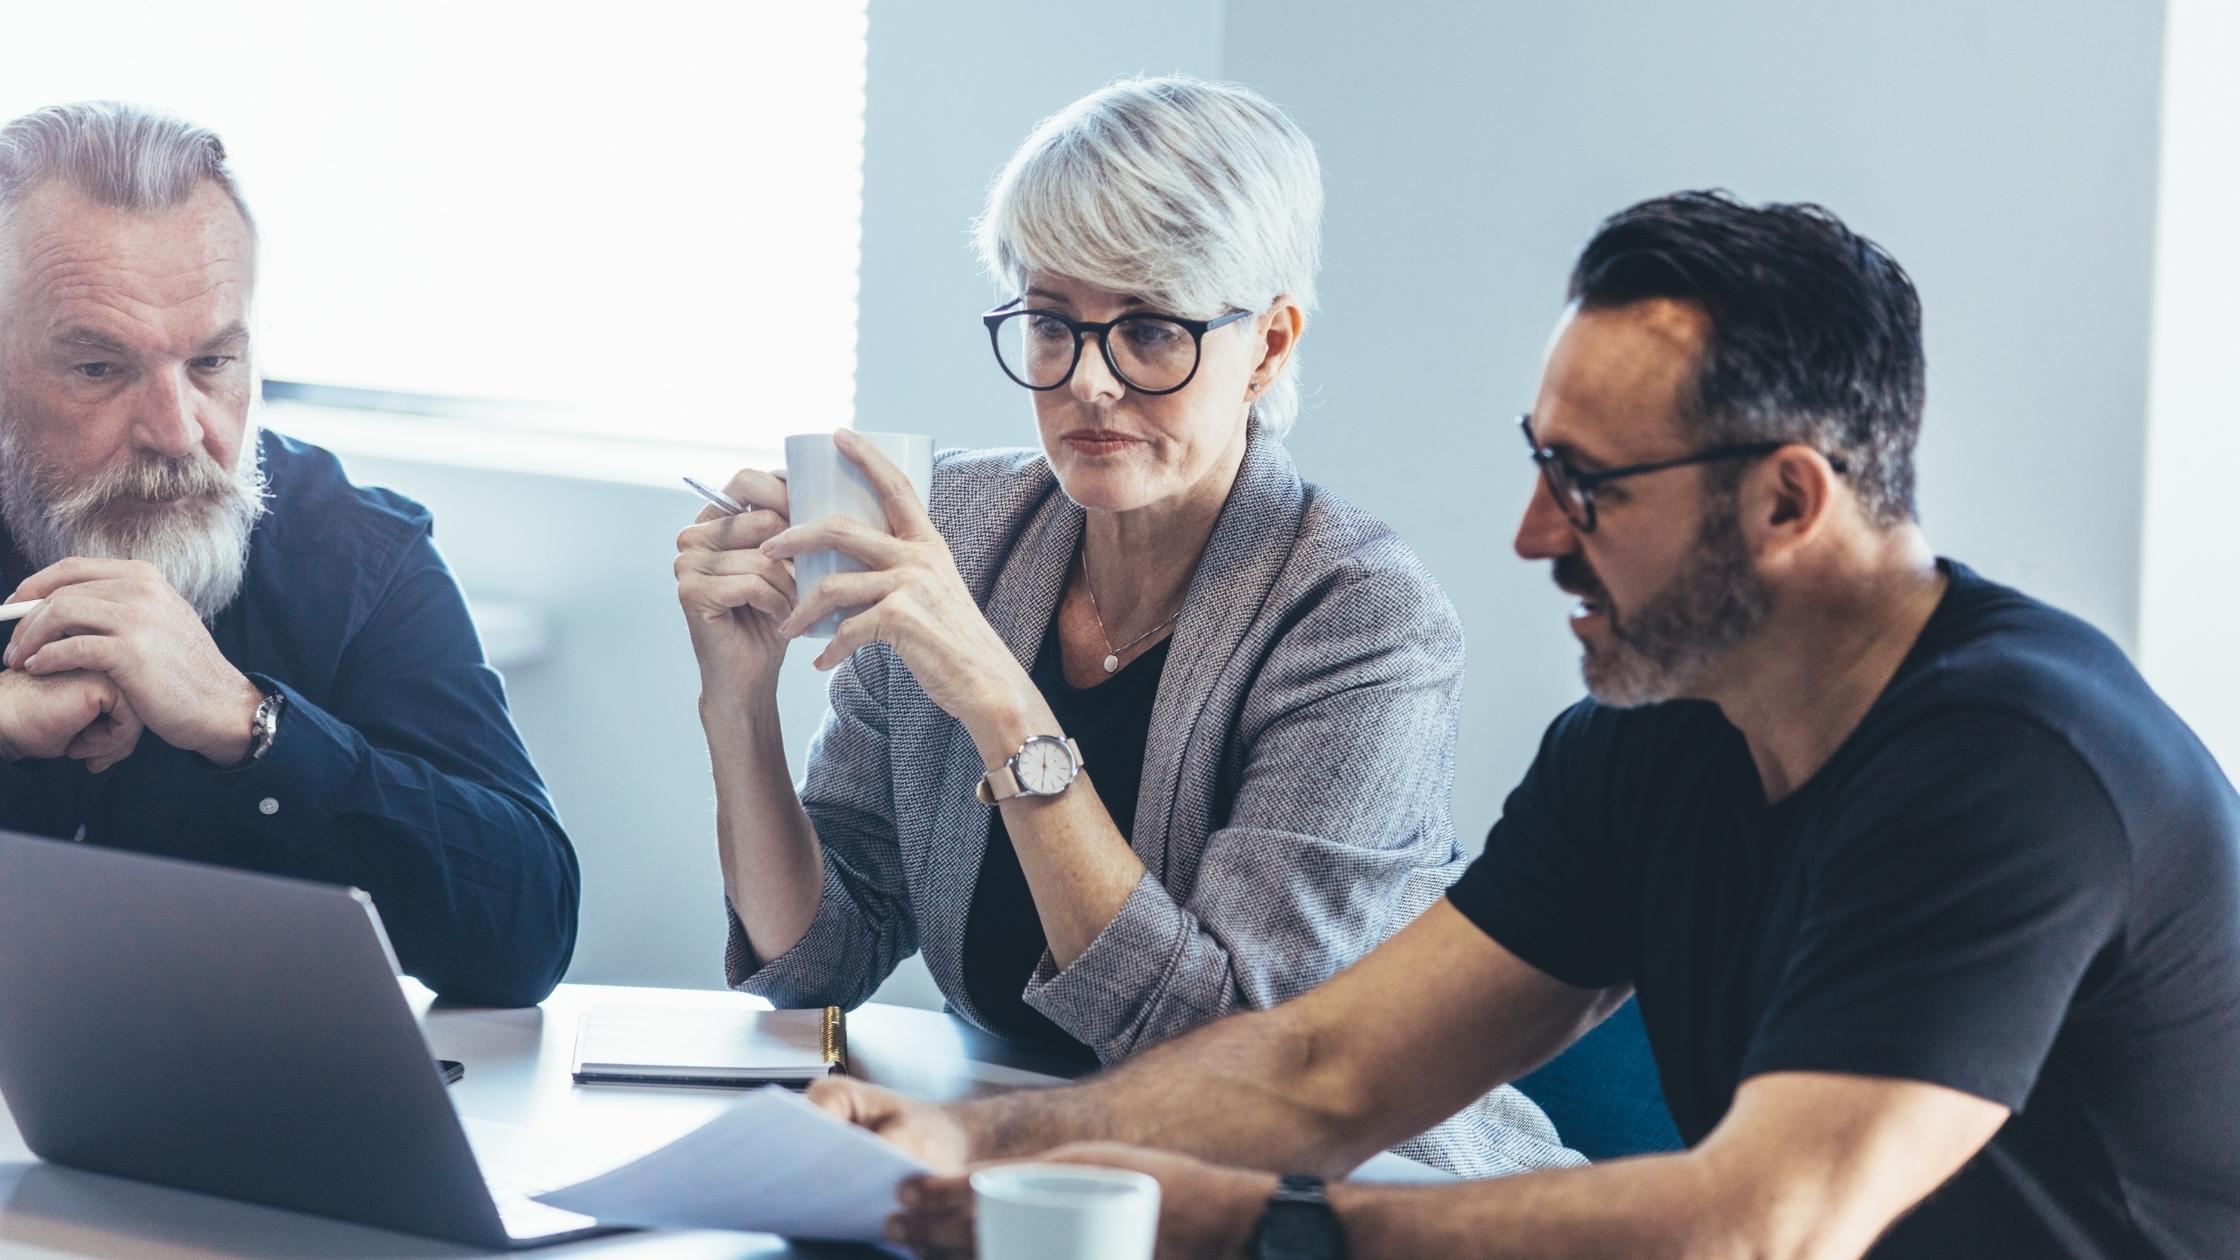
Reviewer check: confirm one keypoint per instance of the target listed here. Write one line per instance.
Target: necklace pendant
(1111, 664)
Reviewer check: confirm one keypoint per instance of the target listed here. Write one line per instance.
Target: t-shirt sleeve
(1544, 887)
(1966, 882)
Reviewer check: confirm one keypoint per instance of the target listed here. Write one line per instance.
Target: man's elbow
(521, 970)
(1791, 1217)
(525, 979)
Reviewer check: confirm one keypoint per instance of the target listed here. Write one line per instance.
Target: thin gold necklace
(1111, 653)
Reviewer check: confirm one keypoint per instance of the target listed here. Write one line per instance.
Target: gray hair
(130, 157)
(1200, 197)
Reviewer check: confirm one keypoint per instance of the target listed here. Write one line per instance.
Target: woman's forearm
(772, 868)
(1079, 867)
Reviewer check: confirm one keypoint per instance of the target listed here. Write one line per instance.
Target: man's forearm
(1693, 1205)
(1241, 1091)
(1656, 1206)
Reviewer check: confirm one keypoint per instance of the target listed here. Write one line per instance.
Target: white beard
(189, 518)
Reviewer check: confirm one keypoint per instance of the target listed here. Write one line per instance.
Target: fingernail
(32, 665)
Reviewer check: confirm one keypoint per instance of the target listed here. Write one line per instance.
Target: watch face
(1045, 766)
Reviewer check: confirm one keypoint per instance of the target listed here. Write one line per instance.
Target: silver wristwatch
(265, 727)
(1044, 766)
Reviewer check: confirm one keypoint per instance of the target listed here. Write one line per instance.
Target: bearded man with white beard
(240, 657)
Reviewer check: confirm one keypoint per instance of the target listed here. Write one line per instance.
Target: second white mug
(1064, 1212)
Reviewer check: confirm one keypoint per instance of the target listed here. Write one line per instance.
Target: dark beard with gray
(1660, 649)
(189, 517)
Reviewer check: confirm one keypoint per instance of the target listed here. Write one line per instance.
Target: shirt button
(268, 807)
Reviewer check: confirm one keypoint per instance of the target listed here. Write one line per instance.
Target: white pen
(17, 612)
(717, 497)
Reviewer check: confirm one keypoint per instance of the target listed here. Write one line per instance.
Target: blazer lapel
(1023, 594)
(1251, 542)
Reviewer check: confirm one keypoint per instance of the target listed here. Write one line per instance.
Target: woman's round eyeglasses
(1150, 354)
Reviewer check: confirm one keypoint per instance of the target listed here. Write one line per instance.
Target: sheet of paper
(772, 1164)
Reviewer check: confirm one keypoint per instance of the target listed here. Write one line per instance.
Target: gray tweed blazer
(1294, 808)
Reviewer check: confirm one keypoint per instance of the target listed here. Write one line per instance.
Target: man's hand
(121, 618)
(926, 1130)
(1206, 1212)
(80, 714)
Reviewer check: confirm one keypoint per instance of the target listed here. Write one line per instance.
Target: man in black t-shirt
(1932, 906)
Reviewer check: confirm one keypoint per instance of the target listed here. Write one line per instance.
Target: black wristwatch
(1298, 1224)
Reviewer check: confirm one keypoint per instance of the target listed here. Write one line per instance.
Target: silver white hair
(1200, 197)
(122, 155)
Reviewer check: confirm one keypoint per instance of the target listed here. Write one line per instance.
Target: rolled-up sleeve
(863, 927)
(1339, 833)
(412, 784)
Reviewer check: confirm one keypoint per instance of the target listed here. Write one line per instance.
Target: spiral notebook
(636, 1045)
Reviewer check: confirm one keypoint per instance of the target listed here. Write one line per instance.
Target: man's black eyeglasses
(1574, 490)
(1150, 354)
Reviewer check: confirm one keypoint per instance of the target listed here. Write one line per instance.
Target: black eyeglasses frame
(1555, 470)
(1197, 328)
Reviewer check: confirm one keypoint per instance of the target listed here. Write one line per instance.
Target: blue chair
(1603, 1092)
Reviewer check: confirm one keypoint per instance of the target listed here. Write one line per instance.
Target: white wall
(2004, 150)
(953, 89)
(2005, 155)
(2189, 602)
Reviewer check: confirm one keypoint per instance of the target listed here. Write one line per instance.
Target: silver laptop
(236, 1034)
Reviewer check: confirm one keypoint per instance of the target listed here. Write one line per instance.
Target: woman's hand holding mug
(733, 593)
(909, 595)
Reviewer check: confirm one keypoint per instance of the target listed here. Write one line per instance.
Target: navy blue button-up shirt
(395, 769)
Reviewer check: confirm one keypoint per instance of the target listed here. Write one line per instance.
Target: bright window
(640, 221)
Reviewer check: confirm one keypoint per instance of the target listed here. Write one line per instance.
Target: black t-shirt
(2019, 877)
(1003, 938)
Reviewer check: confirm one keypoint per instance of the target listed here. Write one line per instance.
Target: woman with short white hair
(1137, 728)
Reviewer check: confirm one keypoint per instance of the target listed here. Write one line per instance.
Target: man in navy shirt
(1931, 905)
(239, 657)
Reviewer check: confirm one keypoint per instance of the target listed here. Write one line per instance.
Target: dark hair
(1815, 330)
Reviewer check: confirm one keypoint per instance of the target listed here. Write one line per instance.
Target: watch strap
(998, 785)
(1299, 1223)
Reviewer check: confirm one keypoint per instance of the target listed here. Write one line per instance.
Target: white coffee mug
(1064, 1212)
(821, 482)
